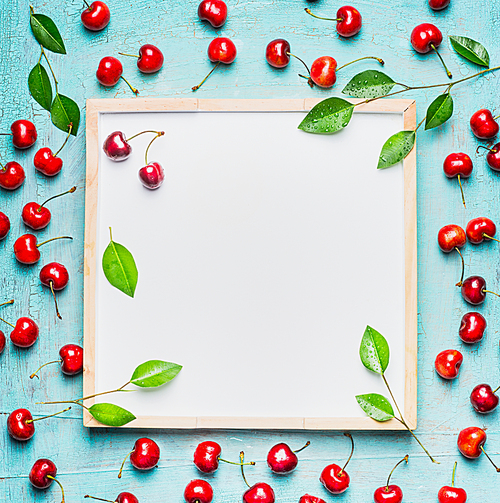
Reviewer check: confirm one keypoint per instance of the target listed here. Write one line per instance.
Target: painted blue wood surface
(88, 460)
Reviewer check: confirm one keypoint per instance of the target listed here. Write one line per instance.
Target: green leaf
(374, 351)
(46, 33)
(65, 111)
(328, 116)
(110, 414)
(376, 406)
(396, 148)
(439, 111)
(369, 84)
(119, 267)
(471, 50)
(40, 87)
(154, 373)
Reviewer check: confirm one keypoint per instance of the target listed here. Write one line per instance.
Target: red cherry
(307, 498)
(121, 498)
(56, 277)
(483, 124)
(47, 163)
(335, 479)
(472, 327)
(390, 493)
(116, 147)
(43, 473)
(448, 363)
(222, 49)
(425, 38)
(450, 237)
(277, 53)
(4, 225)
(26, 248)
(144, 456)
(20, 423)
(348, 21)
(452, 494)
(459, 165)
(259, 493)
(474, 290)
(281, 459)
(25, 332)
(110, 71)
(198, 491)
(150, 59)
(152, 175)
(2, 342)
(24, 134)
(480, 228)
(471, 442)
(492, 157)
(213, 11)
(206, 456)
(12, 176)
(96, 16)
(71, 359)
(323, 71)
(484, 399)
(438, 4)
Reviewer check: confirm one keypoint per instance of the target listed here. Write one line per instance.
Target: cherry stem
(302, 448)
(130, 55)
(324, 18)
(160, 133)
(45, 417)
(242, 459)
(462, 191)
(252, 463)
(88, 6)
(492, 150)
(309, 80)
(142, 132)
(51, 284)
(301, 60)
(460, 283)
(489, 291)
(70, 191)
(380, 60)
(44, 365)
(392, 471)
(59, 484)
(496, 117)
(453, 475)
(491, 237)
(70, 128)
(1, 319)
(53, 239)
(491, 461)
(350, 455)
(195, 88)
(132, 88)
(123, 464)
(100, 499)
(89, 396)
(442, 61)
(8, 302)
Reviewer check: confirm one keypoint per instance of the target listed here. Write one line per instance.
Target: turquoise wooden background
(88, 460)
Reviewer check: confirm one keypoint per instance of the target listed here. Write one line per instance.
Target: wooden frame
(405, 107)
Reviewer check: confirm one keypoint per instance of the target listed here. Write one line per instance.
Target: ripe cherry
(448, 363)
(307, 498)
(26, 248)
(452, 237)
(121, 498)
(152, 174)
(96, 16)
(258, 493)
(37, 216)
(348, 20)
(426, 38)
(335, 479)
(25, 332)
(483, 124)
(23, 134)
(43, 473)
(117, 147)
(56, 277)
(12, 175)
(150, 59)
(144, 456)
(278, 53)
(484, 399)
(458, 165)
(213, 11)
(452, 494)
(48, 163)
(390, 493)
(110, 71)
(207, 457)
(71, 360)
(281, 459)
(471, 442)
(474, 290)
(479, 229)
(20, 423)
(4, 225)
(198, 491)
(438, 4)
(492, 157)
(220, 50)
(472, 327)
(3, 341)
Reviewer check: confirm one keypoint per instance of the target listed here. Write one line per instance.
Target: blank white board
(261, 260)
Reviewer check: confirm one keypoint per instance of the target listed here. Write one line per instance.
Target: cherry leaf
(439, 111)
(328, 116)
(40, 87)
(119, 267)
(46, 33)
(369, 84)
(63, 112)
(110, 414)
(154, 373)
(374, 351)
(376, 406)
(470, 50)
(396, 148)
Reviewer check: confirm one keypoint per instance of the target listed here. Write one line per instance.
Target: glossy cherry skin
(483, 125)
(55, 274)
(457, 164)
(116, 147)
(472, 327)
(277, 53)
(350, 21)
(4, 225)
(222, 49)
(126, 498)
(12, 176)
(152, 175)
(334, 479)
(473, 290)
(25, 249)
(40, 470)
(438, 4)
(483, 399)
(36, 216)
(206, 456)
(323, 71)
(424, 36)
(281, 459)
(71, 359)
(470, 440)
(96, 17)
(145, 455)
(213, 11)
(259, 493)
(109, 71)
(448, 363)
(478, 228)
(23, 134)
(450, 237)
(307, 498)
(198, 491)
(388, 494)
(2, 342)
(449, 494)
(150, 59)
(492, 157)
(18, 427)
(47, 163)
(25, 333)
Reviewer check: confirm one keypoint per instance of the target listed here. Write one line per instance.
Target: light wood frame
(405, 107)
